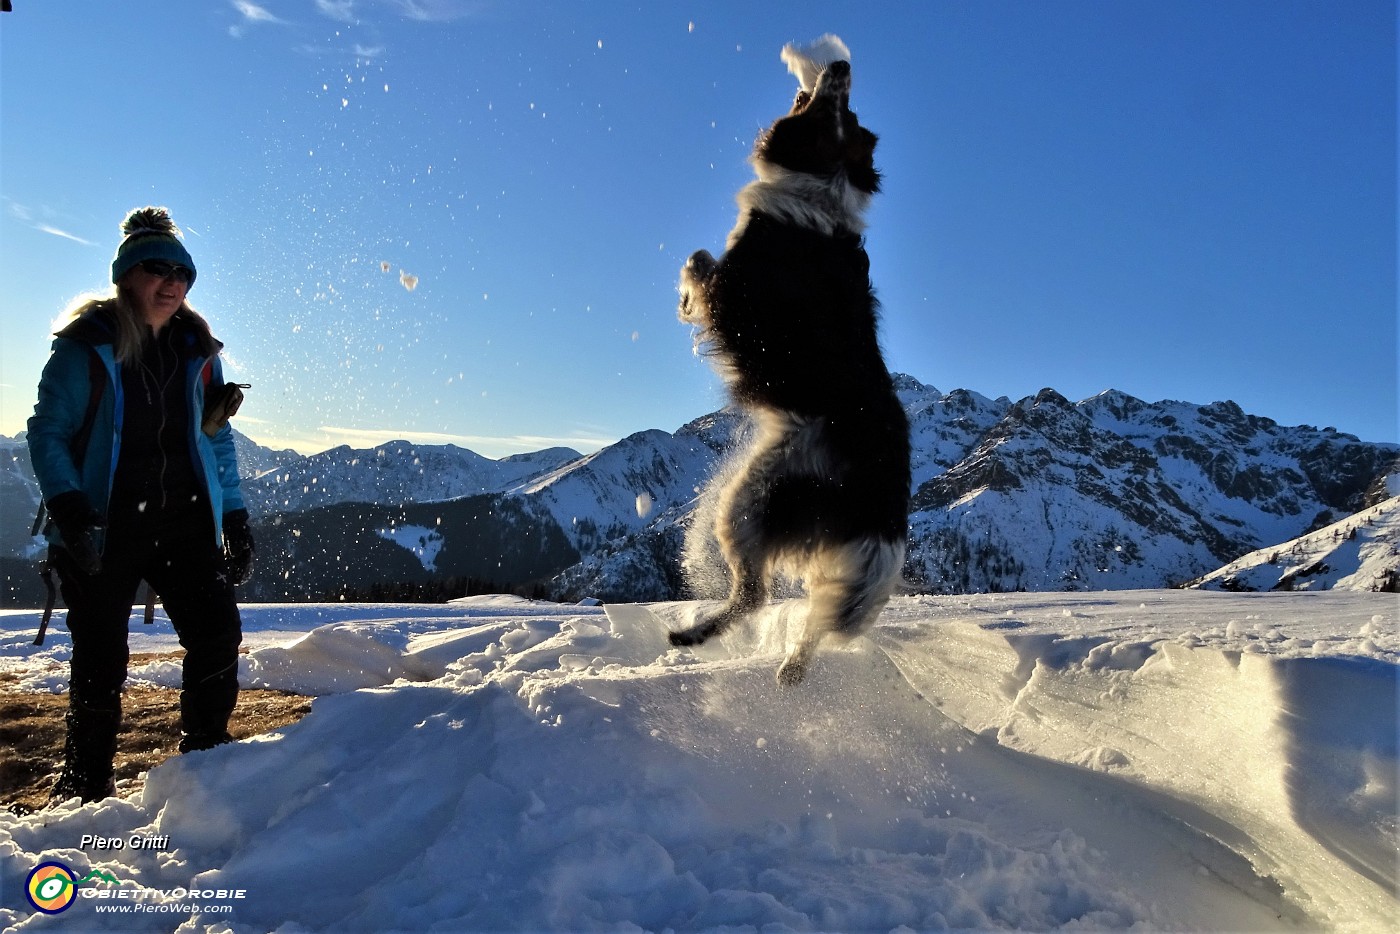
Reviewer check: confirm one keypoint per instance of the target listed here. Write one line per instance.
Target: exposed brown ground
(31, 733)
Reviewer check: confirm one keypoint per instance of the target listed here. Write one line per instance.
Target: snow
(1159, 759)
(423, 542)
(807, 62)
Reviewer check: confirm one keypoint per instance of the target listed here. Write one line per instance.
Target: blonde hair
(132, 331)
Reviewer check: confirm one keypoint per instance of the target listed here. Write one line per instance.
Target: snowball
(807, 62)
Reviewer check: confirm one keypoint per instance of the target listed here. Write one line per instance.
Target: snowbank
(1163, 759)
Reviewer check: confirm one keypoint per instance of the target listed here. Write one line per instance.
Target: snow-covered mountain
(391, 474)
(1113, 492)
(1039, 494)
(254, 459)
(1044, 494)
(1361, 552)
(626, 486)
(19, 500)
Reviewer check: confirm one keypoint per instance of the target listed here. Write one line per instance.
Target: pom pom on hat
(149, 233)
(807, 62)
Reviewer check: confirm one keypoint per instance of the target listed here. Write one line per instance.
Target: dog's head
(821, 136)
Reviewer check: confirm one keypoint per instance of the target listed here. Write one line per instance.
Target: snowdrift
(1182, 760)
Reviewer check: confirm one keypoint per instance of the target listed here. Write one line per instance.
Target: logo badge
(51, 888)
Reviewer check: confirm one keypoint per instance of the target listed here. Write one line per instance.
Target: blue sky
(1180, 200)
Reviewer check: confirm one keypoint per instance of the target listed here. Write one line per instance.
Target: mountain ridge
(1040, 493)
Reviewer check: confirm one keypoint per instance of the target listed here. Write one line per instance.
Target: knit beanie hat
(150, 234)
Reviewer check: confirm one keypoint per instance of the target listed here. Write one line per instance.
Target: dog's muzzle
(833, 84)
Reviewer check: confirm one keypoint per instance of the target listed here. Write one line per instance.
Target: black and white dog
(789, 316)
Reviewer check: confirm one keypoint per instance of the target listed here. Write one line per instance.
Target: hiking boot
(193, 742)
(89, 748)
(86, 787)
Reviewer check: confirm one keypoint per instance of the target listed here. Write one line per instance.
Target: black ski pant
(174, 551)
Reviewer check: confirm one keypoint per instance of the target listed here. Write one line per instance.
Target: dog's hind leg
(742, 601)
(748, 591)
(739, 528)
(846, 590)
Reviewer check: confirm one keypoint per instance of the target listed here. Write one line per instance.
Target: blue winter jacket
(65, 389)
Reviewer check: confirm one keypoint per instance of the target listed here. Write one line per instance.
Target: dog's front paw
(694, 309)
(698, 267)
(691, 309)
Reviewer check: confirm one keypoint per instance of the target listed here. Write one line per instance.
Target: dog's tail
(847, 586)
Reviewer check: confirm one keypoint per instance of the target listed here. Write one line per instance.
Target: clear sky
(1180, 200)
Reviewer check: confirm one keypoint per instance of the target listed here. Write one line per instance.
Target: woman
(140, 487)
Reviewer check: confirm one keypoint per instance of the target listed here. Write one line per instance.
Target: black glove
(238, 546)
(221, 404)
(75, 518)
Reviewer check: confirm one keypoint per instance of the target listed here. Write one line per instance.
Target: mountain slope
(351, 550)
(624, 487)
(19, 501)
(1361, 552)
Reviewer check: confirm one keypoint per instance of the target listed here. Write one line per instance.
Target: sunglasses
(164, 270)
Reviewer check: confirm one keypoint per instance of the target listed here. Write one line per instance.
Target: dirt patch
(32, 729)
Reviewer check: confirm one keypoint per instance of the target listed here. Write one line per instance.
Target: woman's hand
(75, 519)
(238, 546)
